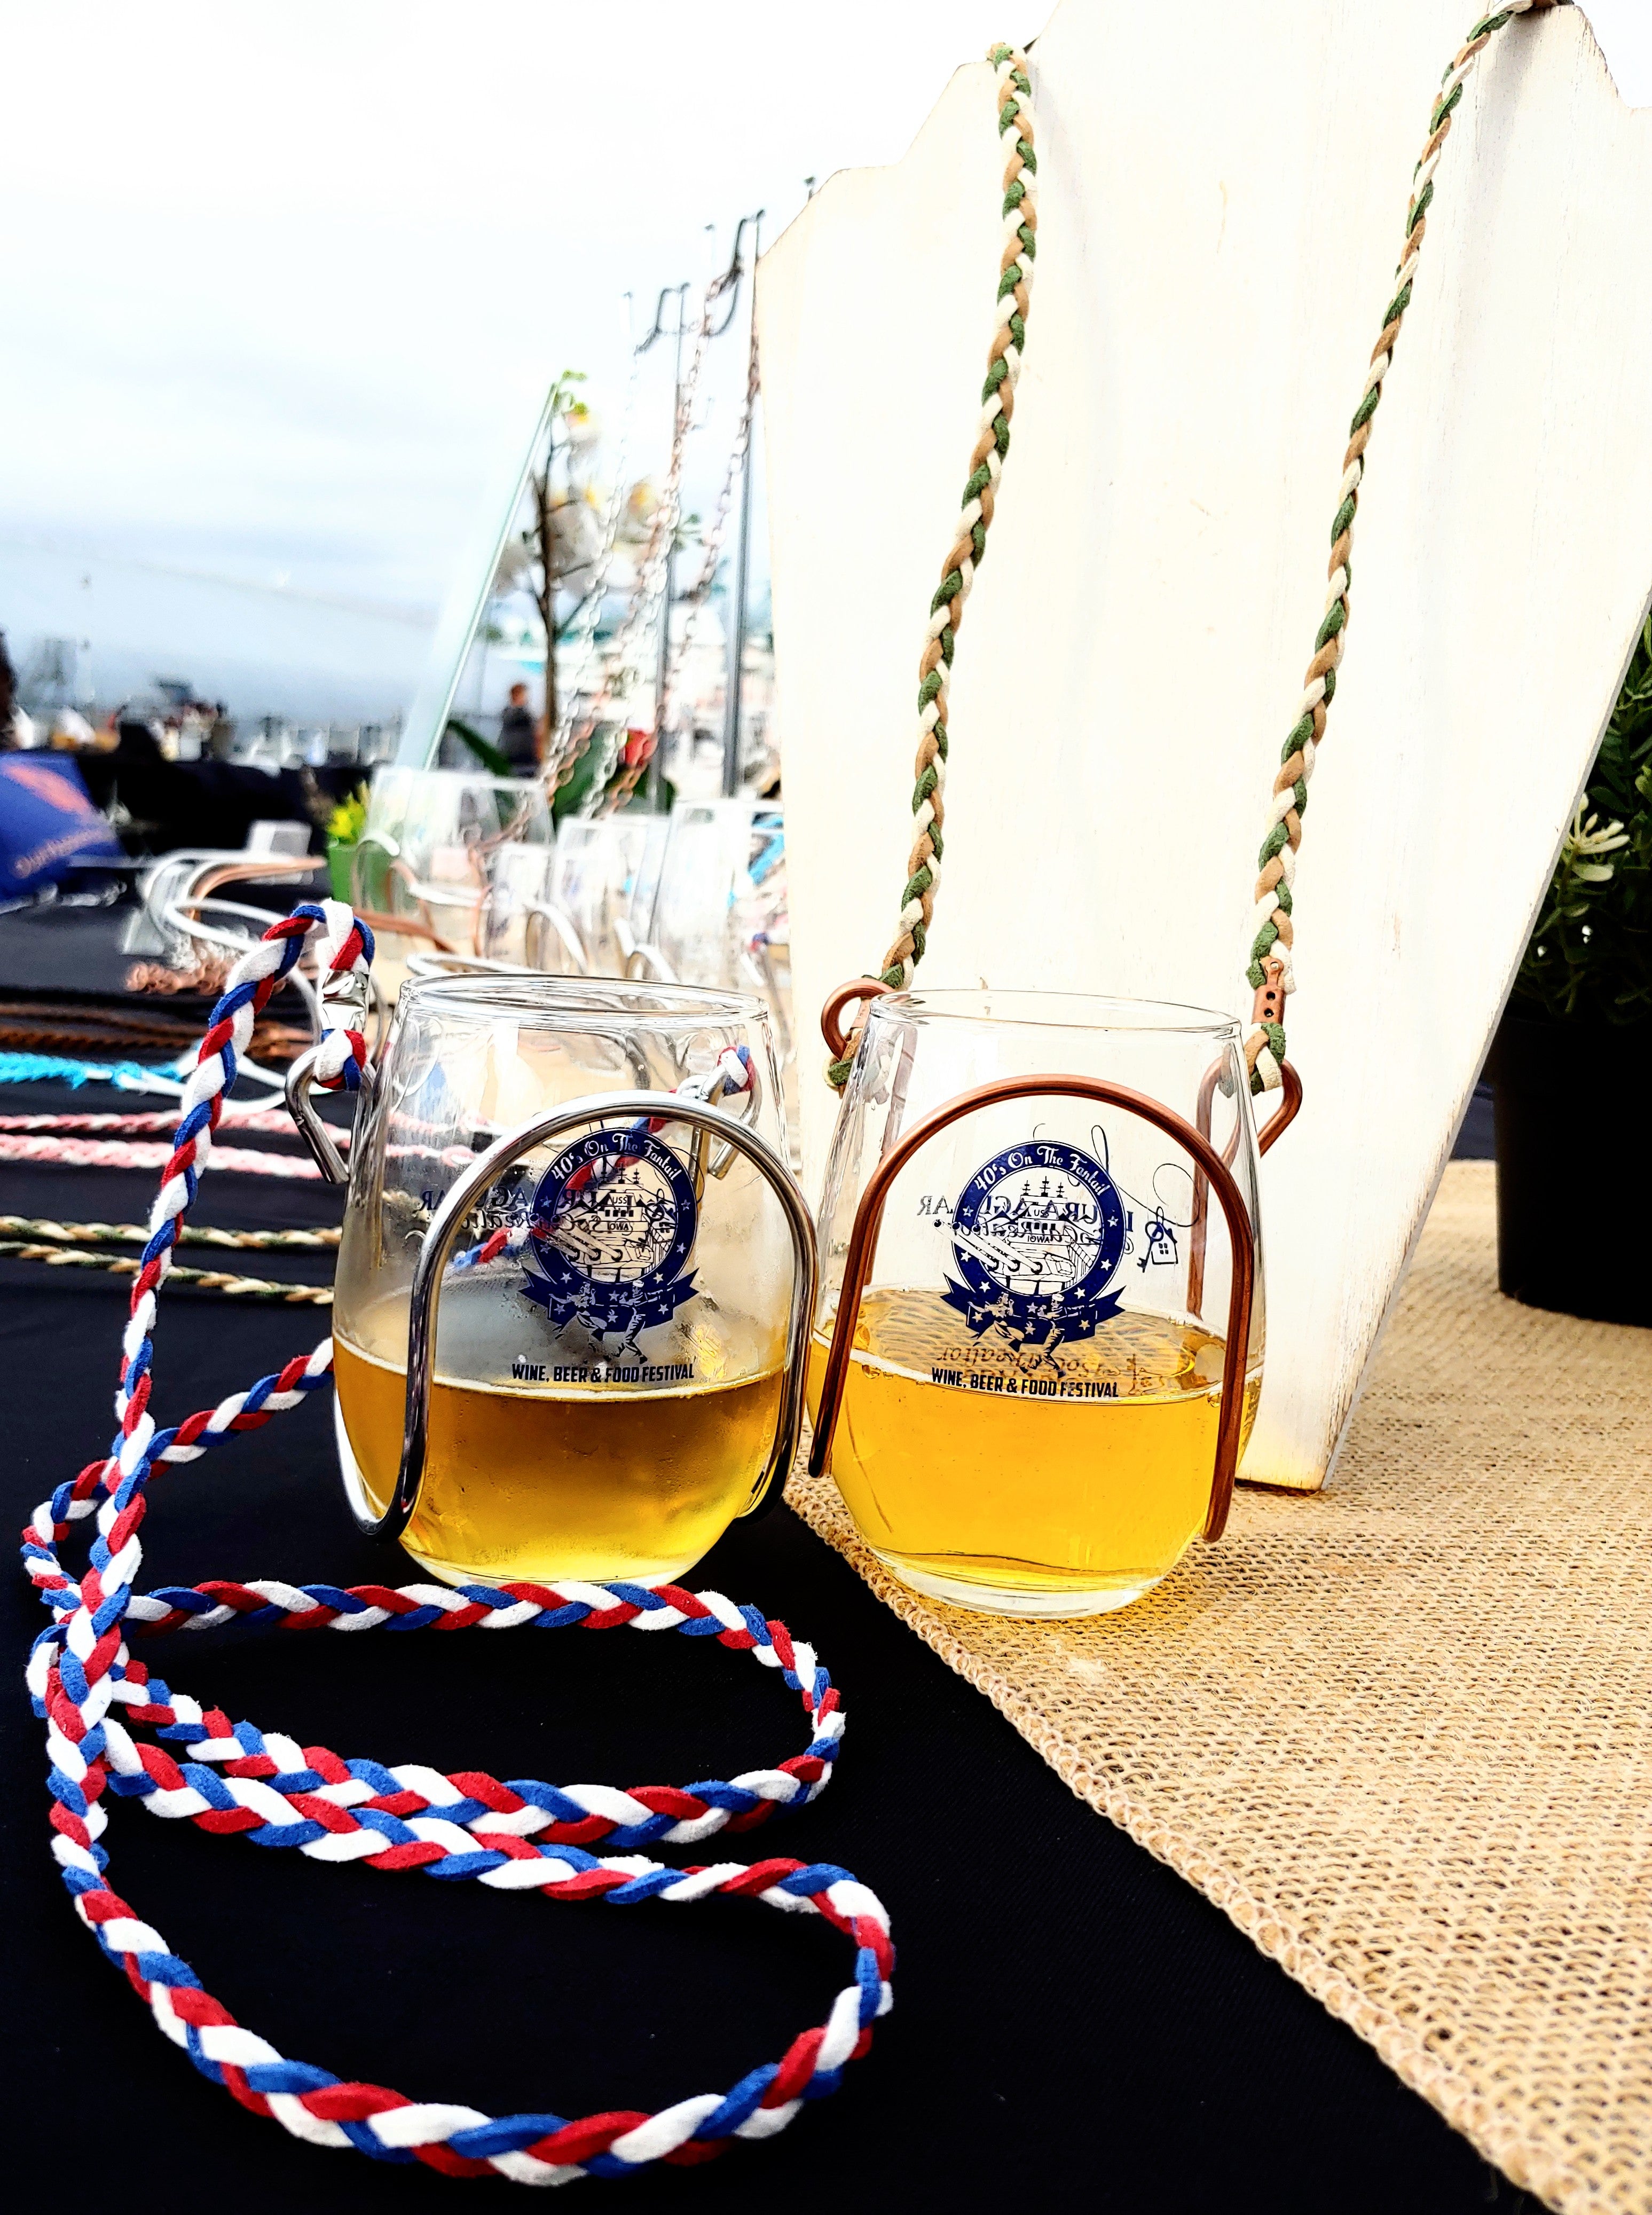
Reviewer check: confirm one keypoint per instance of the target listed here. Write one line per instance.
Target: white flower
(1586, 841)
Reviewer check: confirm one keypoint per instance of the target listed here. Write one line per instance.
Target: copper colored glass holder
(1212, 1170)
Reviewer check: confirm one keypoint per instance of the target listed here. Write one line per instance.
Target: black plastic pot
(1574, 1198)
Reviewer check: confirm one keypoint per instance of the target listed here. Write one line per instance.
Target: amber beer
(1038, 1472)
(555, 1461)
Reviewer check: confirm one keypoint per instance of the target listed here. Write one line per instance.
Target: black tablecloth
(1072, 2021)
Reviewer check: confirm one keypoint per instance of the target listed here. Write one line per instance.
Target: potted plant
(344, 828)
(1573, 1053)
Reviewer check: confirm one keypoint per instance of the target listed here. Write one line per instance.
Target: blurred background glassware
(609, 1382)
(453, 860)
(720, 916)
(603, 883)
(721, 880)
(1034, 1395)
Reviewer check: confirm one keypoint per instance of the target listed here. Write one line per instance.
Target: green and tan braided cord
(1270, 972)
(44, 1239)
(191, 1234)
(958, 571)
(205, 1281)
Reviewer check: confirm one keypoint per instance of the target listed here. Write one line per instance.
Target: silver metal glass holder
(592, 1110)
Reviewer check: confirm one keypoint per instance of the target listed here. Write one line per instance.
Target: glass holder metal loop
(594, 1109)
(868, 1219)
(858, 989)
(1271, 1131)
(315, 1134)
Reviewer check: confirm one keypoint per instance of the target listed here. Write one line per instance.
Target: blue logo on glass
(1037, 1236)
(613, 1224)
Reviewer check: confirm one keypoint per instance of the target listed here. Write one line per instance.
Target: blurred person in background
(518, 734)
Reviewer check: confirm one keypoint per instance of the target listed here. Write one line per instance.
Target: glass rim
(989, 1007)
(584, 1003)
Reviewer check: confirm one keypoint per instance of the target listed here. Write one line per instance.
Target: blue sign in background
(48, 824)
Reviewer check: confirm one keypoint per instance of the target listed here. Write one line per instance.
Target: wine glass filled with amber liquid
(1038, 1343)
(594, 1301)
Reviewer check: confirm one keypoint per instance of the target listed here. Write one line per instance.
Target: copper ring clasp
(832, 1029)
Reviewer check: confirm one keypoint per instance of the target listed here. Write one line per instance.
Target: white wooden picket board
(1222, 194)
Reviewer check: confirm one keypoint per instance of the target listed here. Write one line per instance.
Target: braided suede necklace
(1270, 973)
(193, 1764)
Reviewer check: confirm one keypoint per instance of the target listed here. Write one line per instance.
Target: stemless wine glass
(1039, 1341)
(602, 880)
(453, 860)
(719, 879)
(574, 1282)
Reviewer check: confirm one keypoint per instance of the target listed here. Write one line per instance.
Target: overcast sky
(282, 278)
(281, 281)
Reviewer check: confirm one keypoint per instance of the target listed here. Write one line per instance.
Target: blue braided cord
(285, 1834)
(114, 1608)
(211, 1786)
(740, 2101)
(562, 1618)
(303, 1780)
(65, 1788)
(188, 1601)
(367, 2140)
(62, 1500)
(511, 2134)
(334, 1596)
(867, 1976)
(37, 1068)
(165, 1969)
(475, 1864)
(816, 1877)
(546, 1797)
(733, 1797)
(295, 2077)
(643, 1597)
(702, 1626)
(608, 2164)
(418, 1618)
(52, 1635)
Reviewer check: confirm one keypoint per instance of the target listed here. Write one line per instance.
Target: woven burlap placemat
(1398, 1729)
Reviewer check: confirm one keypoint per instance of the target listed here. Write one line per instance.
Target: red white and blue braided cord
(520, 1835)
